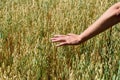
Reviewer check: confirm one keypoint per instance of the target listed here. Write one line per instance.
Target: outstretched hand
(69, 39)
(108, 19)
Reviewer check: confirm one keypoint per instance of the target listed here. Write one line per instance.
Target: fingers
(62, 41)
(55, 36)
(70, 34)
(62, 44)
(58, 39)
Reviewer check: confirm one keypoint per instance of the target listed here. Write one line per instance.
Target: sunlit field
(27, 53)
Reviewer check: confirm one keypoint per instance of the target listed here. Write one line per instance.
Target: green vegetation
(26, 52)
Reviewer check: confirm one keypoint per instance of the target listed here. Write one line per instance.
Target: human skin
(107, 20)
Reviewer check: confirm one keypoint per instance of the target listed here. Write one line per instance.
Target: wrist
(80, 39)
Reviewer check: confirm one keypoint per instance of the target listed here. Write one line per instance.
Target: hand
(116, 9)
(70, 39)
(113, 10)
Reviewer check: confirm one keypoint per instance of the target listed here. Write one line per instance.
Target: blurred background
(26, 51)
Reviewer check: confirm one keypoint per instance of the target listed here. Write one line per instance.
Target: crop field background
(26, 51)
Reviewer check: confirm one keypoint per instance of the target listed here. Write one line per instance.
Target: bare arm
(108, 19)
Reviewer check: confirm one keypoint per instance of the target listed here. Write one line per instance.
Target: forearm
(104, 22)
(108, 19)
